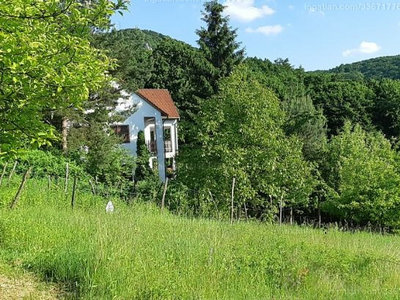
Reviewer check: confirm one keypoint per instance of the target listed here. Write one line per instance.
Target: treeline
(316, 146)
(375, 68)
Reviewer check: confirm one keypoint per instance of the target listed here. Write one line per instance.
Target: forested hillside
(375, 68)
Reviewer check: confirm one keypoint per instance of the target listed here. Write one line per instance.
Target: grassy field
(137, 252)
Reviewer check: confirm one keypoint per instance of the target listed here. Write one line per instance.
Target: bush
(45, 164)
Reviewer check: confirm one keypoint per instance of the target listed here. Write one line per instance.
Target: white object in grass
(109, 207)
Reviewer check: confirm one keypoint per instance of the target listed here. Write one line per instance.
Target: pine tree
(217, 41)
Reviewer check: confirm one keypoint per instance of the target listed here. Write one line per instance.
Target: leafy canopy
(362, 172)
(46, 63)
(240, 134)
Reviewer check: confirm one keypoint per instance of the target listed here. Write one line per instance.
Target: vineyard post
(3, 173)
(21, 187)
(164, 193)
(66, 177)
(12, 172)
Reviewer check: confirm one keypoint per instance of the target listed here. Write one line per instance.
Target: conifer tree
(143, 169)
(218, 41)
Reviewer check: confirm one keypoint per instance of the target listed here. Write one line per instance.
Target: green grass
(140, 253)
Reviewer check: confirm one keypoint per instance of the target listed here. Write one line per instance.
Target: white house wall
(136, 123)
(172, 124)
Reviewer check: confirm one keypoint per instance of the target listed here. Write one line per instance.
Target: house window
(123, 132)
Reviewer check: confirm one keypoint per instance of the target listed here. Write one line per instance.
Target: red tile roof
(161, 99)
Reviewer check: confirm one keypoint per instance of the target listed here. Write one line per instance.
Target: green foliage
(47, 164)
(47, 63)
(44, 164)
(341, 100)
(386, 111)
(280, 76)
(185, 72)
(375, 68)
(240, 134)
(128, 48)
(218, 42)
(99, 153)
(143, 169)
(309, 124)
(363, 175)
(147, 184)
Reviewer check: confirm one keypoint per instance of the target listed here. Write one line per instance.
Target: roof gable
(160, 99)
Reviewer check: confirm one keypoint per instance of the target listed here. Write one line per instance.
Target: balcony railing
(168, 146)
(152, 146)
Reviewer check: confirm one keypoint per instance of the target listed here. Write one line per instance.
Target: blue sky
(316, 34)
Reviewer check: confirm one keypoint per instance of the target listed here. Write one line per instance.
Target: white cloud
(291, 6)
(363, 48)
(266, 30)
(245, 11)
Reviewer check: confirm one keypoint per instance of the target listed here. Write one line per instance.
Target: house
(156, 114)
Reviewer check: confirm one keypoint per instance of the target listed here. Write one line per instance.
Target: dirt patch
(25, 287)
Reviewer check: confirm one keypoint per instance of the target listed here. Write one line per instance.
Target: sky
(314, 34)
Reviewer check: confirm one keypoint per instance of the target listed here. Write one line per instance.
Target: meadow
(139, 252)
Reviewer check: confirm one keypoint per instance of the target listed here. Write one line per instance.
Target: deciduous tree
(46, 63)
(240, 134)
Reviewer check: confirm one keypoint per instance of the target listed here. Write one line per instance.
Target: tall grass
(137, 252)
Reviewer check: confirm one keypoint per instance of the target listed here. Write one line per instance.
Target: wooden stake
(73, 192)
(21, 187)
(66, 177)
(12, 172)
(319, 215)
(212, 199)
(48, 187)
(164, 193)
(3, 173)
(291, 216)
(93, 187)
(245, 211)
(232, 198)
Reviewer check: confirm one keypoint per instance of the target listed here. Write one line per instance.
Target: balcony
(152, 146)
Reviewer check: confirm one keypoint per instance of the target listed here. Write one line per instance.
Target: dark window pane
(123, 132)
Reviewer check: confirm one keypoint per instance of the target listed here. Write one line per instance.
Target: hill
(151, 38)
(375, 68)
